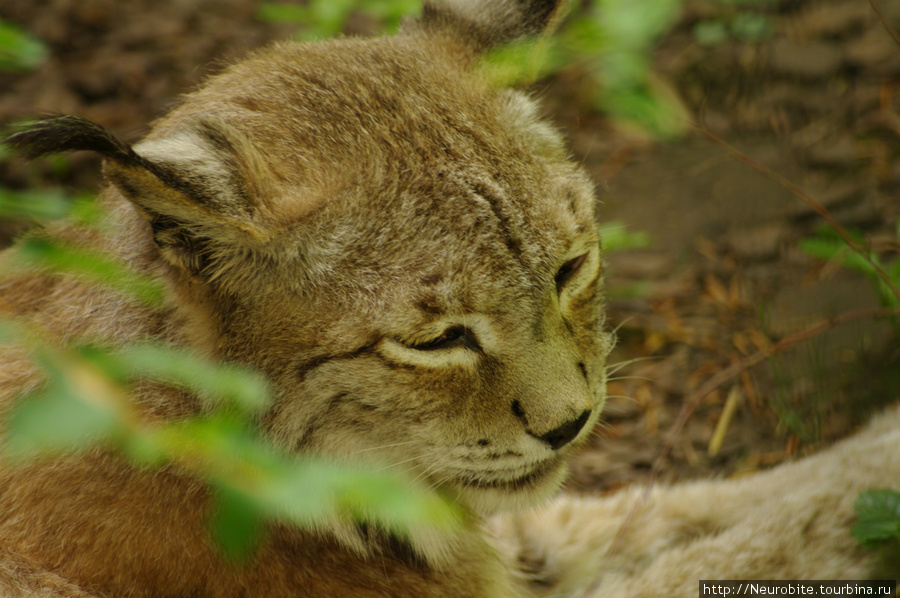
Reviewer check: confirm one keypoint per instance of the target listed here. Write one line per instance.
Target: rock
(812, 60)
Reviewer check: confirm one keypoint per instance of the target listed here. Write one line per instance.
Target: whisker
(615, 367)
(617, 378)
(626, 397)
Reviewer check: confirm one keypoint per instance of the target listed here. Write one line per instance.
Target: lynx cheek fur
(407, 254)
(412, 261)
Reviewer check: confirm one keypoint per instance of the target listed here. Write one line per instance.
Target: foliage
(826, 244)
(326, 18)
(19, 51)
(878, 518)
(85, 402)
(608, 41)
(42, 205)
(741, 25)
(617, 237)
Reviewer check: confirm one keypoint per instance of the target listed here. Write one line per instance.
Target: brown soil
(818, 102)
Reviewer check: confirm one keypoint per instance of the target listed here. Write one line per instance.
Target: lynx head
(406, 252)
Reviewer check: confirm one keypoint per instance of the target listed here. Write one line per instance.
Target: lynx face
(459, 329)
(407, 253)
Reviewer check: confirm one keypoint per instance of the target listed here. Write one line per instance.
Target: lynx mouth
(526, 481)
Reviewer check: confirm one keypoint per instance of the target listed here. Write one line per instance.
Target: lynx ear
(491, 23)
(190, 187)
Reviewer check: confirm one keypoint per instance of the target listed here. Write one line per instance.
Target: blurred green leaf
(329, 16)
(282, 13)
(615, 236)
(894, 270)
(324, 18)
(92, 264)
(520, 62)
(584, 37)
(50, 204)
(391, 13)
(19, 51)
(829, 246)
(878, 517)
(237, 525)
(319, 18)
(651, 108)
(710, 33)
(752, 27)
(633, 24)
(233, 386)
(58, 420)
(303, 491)
(834, 248)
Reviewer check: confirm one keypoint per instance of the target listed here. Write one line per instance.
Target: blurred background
(712, 262)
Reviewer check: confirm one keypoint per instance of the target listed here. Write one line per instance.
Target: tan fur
(792, 522)
(322, 212)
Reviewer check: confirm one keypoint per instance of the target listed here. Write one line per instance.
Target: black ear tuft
(70, 133)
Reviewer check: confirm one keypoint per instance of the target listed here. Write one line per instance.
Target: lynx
(411, 259)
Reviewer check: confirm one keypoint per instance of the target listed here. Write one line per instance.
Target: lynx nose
(566, 433)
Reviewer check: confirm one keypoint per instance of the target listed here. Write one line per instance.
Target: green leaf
(893, 271)
(309, 491)
(752, 27)
(237, 525)
(19, 51)
(232, 385)
(710, 33)
(50, 204)
(878, 513)
(520, 62)
(649, 108)
(91, 264)
(636, 23)
(615, 236)
(283, 13)
(824, 248)
(391, 13)
(56, 421)
(584, 37)
(827, 247)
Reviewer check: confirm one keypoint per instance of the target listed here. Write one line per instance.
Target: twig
(731, 404)
(884, 22)
(806, 197)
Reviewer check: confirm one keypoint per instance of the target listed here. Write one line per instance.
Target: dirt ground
(722, 278)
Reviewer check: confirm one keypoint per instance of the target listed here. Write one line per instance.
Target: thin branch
(884, 22)
(806, 197)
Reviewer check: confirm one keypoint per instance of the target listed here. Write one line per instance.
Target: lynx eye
(568, 270)
(454, 336)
